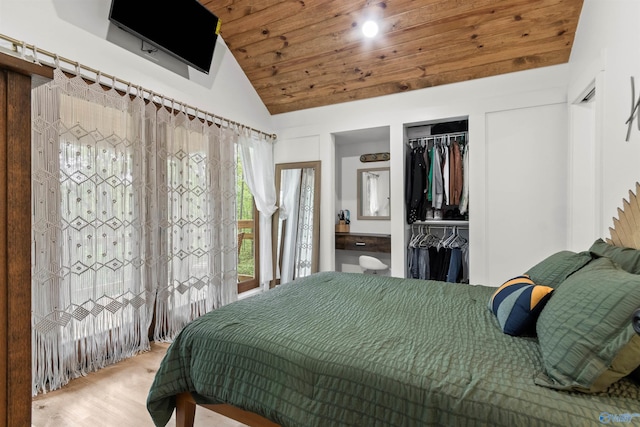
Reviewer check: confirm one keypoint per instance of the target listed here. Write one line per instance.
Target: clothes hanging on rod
(435, 184)
(432, 257)
(416, 183)
(455, 175)
(464, 197)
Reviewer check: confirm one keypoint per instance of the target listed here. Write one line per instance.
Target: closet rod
(54, 62)
(444, 135)
(445, 224)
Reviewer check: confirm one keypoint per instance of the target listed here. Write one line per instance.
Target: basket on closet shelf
(342, 227)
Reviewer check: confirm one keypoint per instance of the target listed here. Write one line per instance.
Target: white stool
(371, 263)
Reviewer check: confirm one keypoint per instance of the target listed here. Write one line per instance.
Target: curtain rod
(55, 59)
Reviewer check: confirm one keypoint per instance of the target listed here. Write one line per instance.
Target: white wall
(543, 91)
(606, 50)
(347, 165)
(526, 178)
(583, 179)
(78, 30)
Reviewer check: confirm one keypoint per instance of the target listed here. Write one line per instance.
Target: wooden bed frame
(186, 411)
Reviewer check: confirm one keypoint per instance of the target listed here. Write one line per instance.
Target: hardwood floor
(112, 397)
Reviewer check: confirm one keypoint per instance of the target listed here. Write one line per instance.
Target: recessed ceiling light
(370, 29)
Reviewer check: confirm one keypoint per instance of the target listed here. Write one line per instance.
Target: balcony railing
(246, 254)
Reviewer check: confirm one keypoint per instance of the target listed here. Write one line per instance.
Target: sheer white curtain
(198, 220)
(92, 248)
(132, 206)
(289, 211)
(259, 173)
(372, 192)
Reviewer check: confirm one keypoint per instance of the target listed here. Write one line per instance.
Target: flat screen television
(184, 29)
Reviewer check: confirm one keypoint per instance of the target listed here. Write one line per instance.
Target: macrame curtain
(198, 220)
(128, 203)
(304, 240)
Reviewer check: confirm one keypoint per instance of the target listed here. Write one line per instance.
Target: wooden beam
(15, 248)
(4, 291)
(19, 65)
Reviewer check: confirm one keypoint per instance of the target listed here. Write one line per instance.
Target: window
(248, 233)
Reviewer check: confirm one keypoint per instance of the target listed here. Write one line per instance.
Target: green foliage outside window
(245, 213)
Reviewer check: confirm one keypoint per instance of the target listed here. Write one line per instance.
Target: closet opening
(437, 199)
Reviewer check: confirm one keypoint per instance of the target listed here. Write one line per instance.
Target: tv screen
(182, 28)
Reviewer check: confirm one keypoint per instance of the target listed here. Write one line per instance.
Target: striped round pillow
(518, 303)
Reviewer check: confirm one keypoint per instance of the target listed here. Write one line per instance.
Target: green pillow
(585, 333)
(627, 258)
(554, 269)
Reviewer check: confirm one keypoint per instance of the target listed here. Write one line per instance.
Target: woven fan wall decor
(626, 228)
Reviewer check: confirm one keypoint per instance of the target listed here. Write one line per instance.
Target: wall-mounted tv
(183, 28)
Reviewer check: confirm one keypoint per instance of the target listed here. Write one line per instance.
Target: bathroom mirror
(296, 223)
(374, 193)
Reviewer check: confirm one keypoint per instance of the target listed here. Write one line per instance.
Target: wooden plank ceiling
(308, 53)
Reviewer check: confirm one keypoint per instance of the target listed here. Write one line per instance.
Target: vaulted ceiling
(308, 53)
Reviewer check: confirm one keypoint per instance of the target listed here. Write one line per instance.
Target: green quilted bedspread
(341, 349)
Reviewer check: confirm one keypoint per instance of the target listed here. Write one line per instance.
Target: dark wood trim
(15, 247)
(4, 293)
(18, 65)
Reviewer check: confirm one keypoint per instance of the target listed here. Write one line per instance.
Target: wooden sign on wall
(375, 157)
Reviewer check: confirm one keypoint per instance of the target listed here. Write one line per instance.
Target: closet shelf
(443, 222)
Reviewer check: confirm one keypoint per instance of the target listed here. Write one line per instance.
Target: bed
(344, 349)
